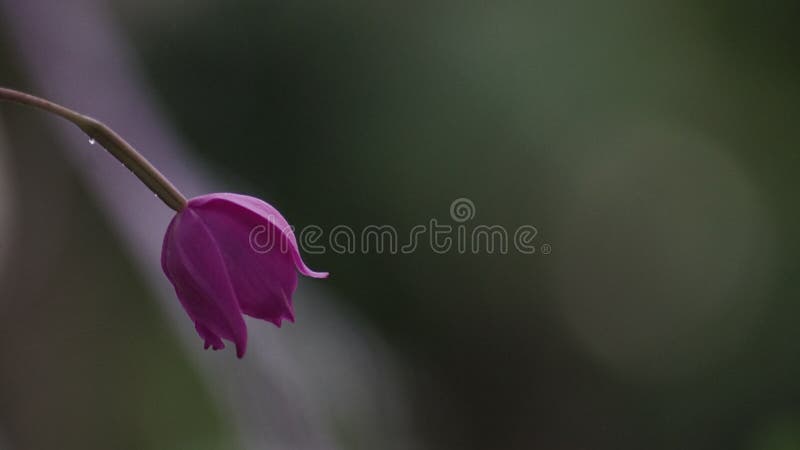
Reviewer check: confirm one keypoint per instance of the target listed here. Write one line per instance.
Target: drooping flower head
(229, 255)
(225, 254)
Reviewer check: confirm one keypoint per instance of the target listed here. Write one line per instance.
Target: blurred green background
(654, 145)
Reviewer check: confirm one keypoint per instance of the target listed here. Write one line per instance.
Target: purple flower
(228, 255)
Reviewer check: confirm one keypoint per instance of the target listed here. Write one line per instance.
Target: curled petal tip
(304, 269)
(310, 273)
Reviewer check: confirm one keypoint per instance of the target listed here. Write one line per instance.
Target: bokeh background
(654, 145)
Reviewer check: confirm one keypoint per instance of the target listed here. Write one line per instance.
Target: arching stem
(111, 141)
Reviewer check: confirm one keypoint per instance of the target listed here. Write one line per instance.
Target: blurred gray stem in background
(296, 385)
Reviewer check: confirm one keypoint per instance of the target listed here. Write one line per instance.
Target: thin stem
(111, 141)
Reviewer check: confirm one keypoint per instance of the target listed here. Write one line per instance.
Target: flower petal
(192, 261)
(269, 214)
(262, 272)
(211, 339)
